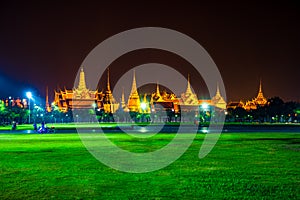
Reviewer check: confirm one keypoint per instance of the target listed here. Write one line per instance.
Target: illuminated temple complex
(83, 98)
(253, 104)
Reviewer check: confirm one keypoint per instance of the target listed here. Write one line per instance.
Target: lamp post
(29, 96)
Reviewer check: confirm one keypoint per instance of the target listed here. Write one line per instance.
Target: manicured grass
(71, 126)
(241, 166)
(19, 127)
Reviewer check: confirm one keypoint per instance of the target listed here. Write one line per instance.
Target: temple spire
(123, 99)
(47, 97)
(260, 87)
(188, 89)
(218, 101)
(133, 88)
(260, 99)
(134, 99)
(82, 84)
(218, 90)
(108, 82)
(123, 95)
(48, 108)
(189, 98)
(260, 93)
(157, 89)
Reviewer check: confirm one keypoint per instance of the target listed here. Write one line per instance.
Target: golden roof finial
(260, 86)
(108, 82)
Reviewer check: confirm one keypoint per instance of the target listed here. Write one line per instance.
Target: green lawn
(70, 126)
(241, 166)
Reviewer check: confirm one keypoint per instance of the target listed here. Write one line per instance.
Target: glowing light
(29, 95)
(143, 106)
(143, 130)
(205, 106)
(204, 131)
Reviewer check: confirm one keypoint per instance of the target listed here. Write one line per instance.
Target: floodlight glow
(204, 131)
(205, 106)
(29, 95)
(143, 106)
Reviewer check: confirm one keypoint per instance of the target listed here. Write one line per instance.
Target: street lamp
(29, 96)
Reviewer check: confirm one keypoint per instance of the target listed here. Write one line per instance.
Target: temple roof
(260, 99)
(189, 98)
(134, 91)
(82, 83)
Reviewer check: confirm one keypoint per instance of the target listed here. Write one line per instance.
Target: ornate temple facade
(164, 101)
(189, 100)
(260, 100)
(218, 101)
(253, 104)
(83, 98)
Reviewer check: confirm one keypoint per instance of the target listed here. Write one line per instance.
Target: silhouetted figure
(43, 125)
(34, 126)
(43, 128)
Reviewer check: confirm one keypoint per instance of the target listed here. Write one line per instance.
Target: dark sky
(44, 44)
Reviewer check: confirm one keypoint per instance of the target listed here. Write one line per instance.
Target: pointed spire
(48, 107)
(157, 89)
(260, 99)
(260, 86)
(188, 89)
(47, 98)
(134, 99)
(123, 96)
(260, 93)
(82, 84)
(133, 88)
(108, 82)
(218, 90)
(218, 101)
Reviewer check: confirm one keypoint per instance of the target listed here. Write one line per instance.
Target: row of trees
(8, 114)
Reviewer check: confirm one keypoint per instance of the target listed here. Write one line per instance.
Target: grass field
(241, 166)
(70, 126)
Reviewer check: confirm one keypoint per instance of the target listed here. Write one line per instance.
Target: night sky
(44, 44)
